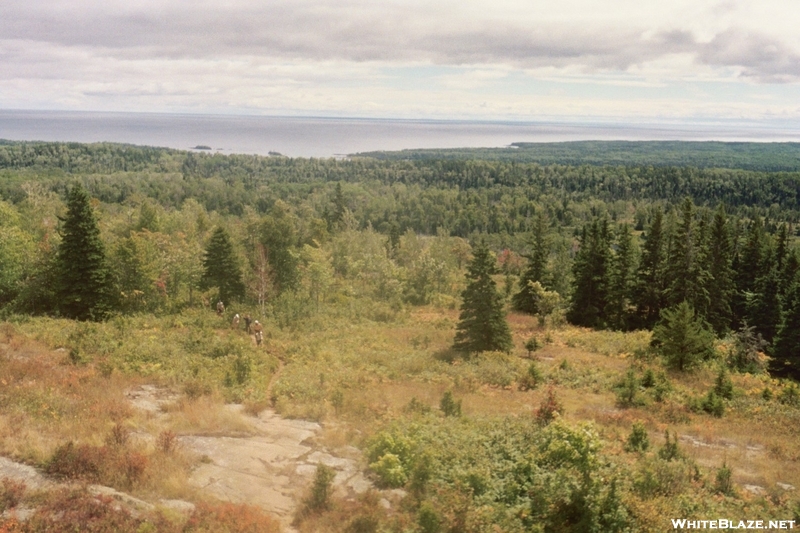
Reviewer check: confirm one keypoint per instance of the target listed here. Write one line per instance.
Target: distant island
(202, 147)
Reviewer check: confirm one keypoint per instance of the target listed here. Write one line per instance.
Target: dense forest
(694, 264)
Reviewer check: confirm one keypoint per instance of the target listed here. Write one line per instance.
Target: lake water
(329, 137)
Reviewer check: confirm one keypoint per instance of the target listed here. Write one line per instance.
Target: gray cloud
(353, 31)
(761, 58)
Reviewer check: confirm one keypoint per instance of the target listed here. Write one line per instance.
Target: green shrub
(416, 406)
(660, 477)
(390, 457)
(531, 379)
(428, 519)
(790, 394)
(713, 404)
(449, 406)
(390, 470)
(531, 345)
(648, 379)
(319, 497)
(627, 389)
(724, 480)
(638, 440)
(670, 450)
(723, 386)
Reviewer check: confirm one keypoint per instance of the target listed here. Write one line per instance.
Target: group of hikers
(250, 326)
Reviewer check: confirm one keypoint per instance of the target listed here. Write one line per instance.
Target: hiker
(220, 308)
(259, 331)
(247, 321)
(235, 321)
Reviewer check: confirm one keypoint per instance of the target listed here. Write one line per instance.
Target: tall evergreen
(482, 324)
(786, 349)
(84, 280)
(682, 338)
(765, 306)
(221, 269)
(537, 264)
(649, 290)
(621, 279)
(720, 284)
(687, 276)
(590, 270)
(749, 269)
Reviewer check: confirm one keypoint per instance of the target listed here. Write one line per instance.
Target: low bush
(11, 493)
(638, 441)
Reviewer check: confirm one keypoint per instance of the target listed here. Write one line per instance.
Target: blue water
(329, 137)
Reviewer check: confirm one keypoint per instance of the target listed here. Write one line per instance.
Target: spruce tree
(537, 263)
(84, 280)
(590, 269)
(750, 268)
(765, 307)
(687, 277)
(649, 290)
(621, 280)
(720, 285)
(220, 268)
(682, 338)
(482, 324)
(786, 350)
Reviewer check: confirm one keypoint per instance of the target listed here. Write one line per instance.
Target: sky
(570, 60)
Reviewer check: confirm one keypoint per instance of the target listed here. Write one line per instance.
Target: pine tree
(220, 268)
(649, 290)
(84, 280)
(749, 269)
(590, 287)
(765, 307)
(682, 338)
(621, 280)
(686, 275)
(537, 263)
(786, 350)
(720, 285)
(482, 324)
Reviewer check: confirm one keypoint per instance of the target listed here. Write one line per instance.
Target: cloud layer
(241, 53)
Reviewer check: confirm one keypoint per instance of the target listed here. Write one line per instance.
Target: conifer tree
(687, 276)
(84, 280)
(221, 269)
(682, 338)
(765, 307)
(649, 290)
(537, 263)
(786, 350)
(749, 269)
(720, 285)
(482, 324)
(621, 280)
(590, 269)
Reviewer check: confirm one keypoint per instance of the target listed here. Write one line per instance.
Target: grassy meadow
(376, 381)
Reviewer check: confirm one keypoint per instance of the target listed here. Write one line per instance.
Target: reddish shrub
(11, 493)
(70, 511)
(230, 518)
(77, 462)
(549, 408)
(167, 441)
(97, 464)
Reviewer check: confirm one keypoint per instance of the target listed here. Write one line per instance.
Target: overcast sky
(486, 59)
